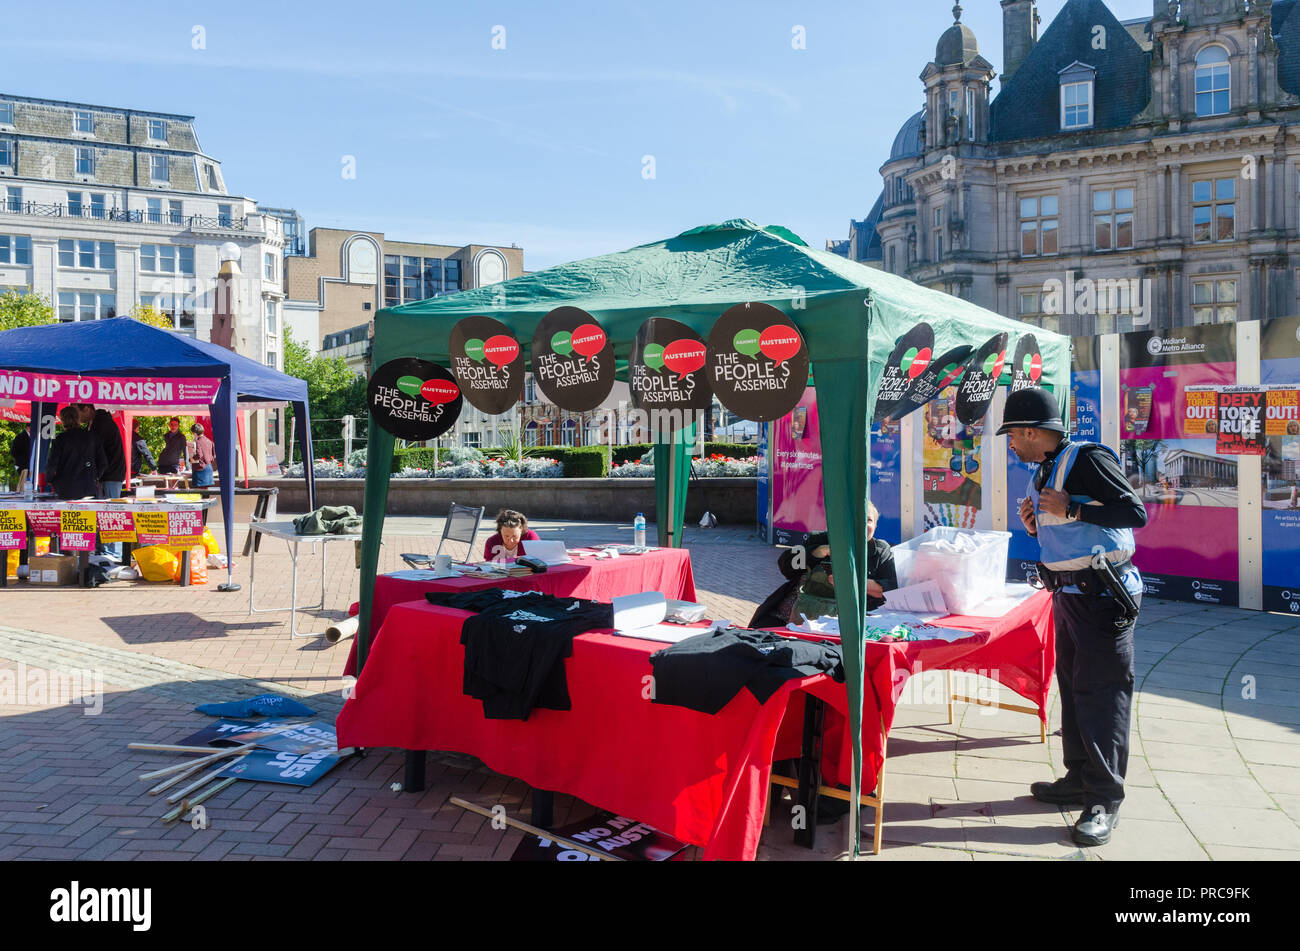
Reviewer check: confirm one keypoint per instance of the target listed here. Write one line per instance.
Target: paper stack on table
(923, 598)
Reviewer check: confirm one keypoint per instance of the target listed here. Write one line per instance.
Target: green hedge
(416, 457)
(737, 450)
(580, 462)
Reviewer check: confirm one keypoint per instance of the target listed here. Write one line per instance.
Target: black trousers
(1094, 671)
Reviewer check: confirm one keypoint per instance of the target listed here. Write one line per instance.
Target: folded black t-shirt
(706, 671)
(516, 644)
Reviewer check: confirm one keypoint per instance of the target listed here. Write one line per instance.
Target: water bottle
(638, 530)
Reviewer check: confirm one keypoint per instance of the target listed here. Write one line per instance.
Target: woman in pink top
(508, 543)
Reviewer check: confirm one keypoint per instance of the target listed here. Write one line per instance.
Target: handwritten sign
(116, 526)
(77, 530)
(44, 521)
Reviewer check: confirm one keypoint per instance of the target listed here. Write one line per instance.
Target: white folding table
(285, 531)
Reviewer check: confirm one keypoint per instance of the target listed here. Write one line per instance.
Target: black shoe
(1094, 827)
(1063, 792)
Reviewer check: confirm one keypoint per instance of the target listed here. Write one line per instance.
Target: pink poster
(110, 390)
(798, 505)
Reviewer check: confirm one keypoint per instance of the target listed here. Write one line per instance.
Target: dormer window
(1213, 82)
(1078, 85)
(158, 130)
(84, 122)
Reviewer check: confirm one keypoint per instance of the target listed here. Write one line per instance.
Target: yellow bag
(11, 563)
(210, 542)
(156, 563)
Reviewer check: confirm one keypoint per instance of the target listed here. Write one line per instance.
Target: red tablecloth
(1017, 650)
(701, 778)
(667, 570)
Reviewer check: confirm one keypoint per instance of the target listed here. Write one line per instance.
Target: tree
(148, 314)
(18, 310)
(334, 390)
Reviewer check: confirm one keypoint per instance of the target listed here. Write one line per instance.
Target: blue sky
(541, 143)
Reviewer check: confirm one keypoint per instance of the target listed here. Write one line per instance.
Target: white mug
(442, 564)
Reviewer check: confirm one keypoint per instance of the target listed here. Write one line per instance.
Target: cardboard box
(53, 570)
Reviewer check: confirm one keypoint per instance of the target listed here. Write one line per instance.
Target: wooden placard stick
(201, 781)
(533, 830)
(183, 774)
(200, 798)
(168, 748)
(186, 764)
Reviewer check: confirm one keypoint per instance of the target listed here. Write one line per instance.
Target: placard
(116, 526)
(604, 832)
(414, 399)
(488, 364)
(44, 521)
(1241, 422)
(151, 528)
(77, 530)
(666, 373)
(942, 373)
(757, 362)
(13, 531)
(981, 380)
(573, 359)
(184, 527)
(1027, 365)
(1282, 411)
(911, 357)
(1200, 410)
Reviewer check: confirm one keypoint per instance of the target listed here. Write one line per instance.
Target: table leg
(880, 789)
(810, 771)
(543, 808)
(185, 568)
(83, 569)
(252, 571)
(293, 591)
(413, 781)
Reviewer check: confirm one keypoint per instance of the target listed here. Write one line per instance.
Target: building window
(174, 215)
(530, 434)
(85, 161)
(158, 130)
(451, 275)
(530, 390)
(1039, 225)
(392, 280)
(271, 359)
(6, 113)
(411, 279)
(167, 258)
(86, 305)
(87, 254)
(1076, 106)
(970, 114)
(158, 171)
(74, 204)
(212, 177)
(471, 440)
(84, 122)
(179, 308)
(270, 318)
(937, 235)
(14, 198)
(1112, 219)
(15, 249)
(225, 215)
(1214, 301)
(1214, 210)
(268, 266)
(569, 433)
(432, 277)
(1213, 82)
(97, 207)
(153, 210)
(893, 259)
(6, 153)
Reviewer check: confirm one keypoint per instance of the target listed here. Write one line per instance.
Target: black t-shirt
(105, 430)
(704, 672)
(515, 646)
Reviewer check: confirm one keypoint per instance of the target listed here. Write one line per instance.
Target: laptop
(553, 553)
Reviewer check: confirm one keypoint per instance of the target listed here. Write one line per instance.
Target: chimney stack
(1019, 34)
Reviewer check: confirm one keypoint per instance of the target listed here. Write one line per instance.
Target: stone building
(104, 208)
(1126, 174)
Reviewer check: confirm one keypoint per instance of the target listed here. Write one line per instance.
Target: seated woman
(810, 588)
(508, 542)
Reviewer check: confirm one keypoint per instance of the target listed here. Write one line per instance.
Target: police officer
(1083, 512)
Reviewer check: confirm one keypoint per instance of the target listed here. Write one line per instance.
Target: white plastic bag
(216, 560)
(707, 520)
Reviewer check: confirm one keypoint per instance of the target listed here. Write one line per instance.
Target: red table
(666, 569)
(702, 778)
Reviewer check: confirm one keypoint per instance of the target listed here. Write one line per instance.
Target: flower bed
(715, 466)
(473, 469)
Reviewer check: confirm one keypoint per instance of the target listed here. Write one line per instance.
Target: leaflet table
(285, 531)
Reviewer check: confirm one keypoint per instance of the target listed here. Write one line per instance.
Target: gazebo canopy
(851, 318)
(123, 347)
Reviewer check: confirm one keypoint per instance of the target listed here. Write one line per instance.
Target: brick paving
(1215, 771)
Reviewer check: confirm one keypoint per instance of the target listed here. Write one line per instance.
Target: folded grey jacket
(329, 520)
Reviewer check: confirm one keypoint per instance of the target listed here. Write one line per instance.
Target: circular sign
(573, 359)
(942, 373)
(911, 358)
(981, 380)
(488, 363)
(1027, 365)
(666, 374)
(757, 362)
(413, 399)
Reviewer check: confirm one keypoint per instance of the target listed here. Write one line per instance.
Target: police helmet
(1034, 407)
